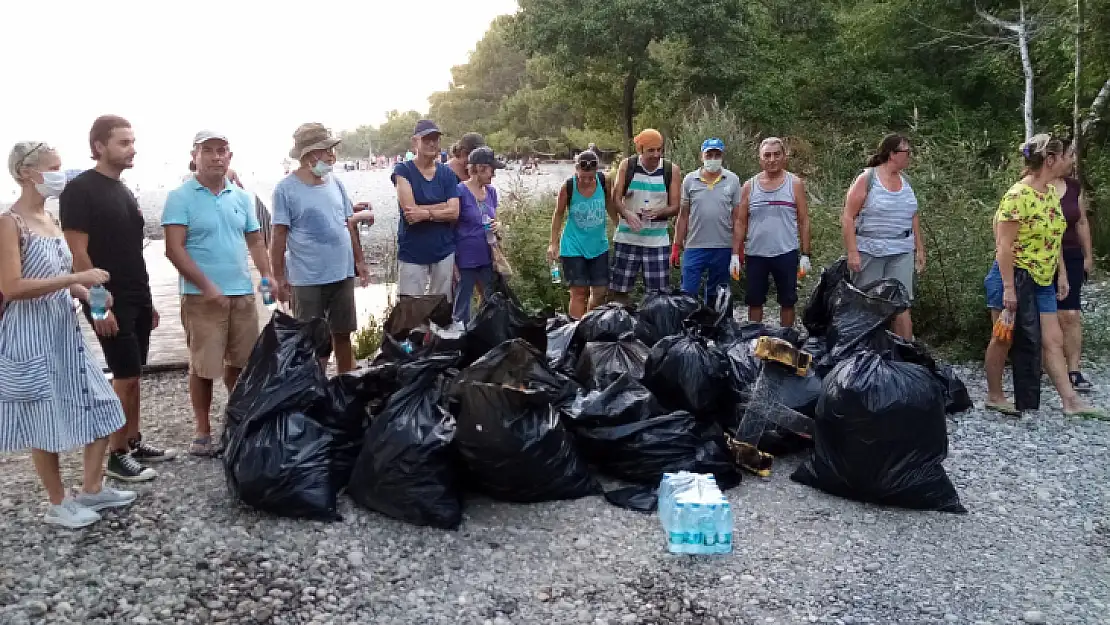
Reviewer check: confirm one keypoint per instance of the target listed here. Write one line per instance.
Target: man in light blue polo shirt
(710, 196)
(210, 224)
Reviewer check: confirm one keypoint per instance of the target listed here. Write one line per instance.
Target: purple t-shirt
(471, 249)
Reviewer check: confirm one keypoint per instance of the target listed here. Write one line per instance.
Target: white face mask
(52, 183)
(321, 169)
(713, 165)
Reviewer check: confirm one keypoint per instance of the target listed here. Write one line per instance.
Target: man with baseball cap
(645, 200)
(316, 248)
(210, 224)
(459, 158)
(428, 197)
(709, 197)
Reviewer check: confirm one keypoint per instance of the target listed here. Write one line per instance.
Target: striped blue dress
(53, 395)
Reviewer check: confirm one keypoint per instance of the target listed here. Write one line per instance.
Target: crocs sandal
(1080, 383)
(1005, 408)
(1089, 413)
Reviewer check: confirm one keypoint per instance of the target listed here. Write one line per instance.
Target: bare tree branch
(1094, 114)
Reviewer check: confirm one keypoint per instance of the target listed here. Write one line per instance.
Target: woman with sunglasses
(53, 396)
(880, 225)
(582, 245)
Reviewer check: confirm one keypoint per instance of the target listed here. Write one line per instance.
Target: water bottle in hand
(98, 302)
(266, 289)
(556, 275)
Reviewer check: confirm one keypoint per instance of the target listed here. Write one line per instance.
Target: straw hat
(309, 137)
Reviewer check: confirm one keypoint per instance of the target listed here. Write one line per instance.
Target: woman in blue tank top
(582, 245)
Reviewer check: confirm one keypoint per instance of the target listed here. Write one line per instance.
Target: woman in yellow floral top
(1029, 226)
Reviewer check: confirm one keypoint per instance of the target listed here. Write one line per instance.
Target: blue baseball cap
(712, 144)
(426, 127)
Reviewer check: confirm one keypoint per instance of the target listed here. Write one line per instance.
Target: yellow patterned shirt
(1041, 226)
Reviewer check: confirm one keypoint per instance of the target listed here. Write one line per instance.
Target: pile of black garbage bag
(527, 408)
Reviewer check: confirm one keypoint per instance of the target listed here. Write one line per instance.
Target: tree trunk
(628, 107)
(1027, 69)
(1077, 131)
(1094, 116)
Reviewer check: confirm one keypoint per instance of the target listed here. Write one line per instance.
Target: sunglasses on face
(588, 166)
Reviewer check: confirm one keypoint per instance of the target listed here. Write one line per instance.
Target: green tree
(359, 143)
(395, 135)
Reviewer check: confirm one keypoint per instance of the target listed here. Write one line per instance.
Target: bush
(526, 224)
(368, 338)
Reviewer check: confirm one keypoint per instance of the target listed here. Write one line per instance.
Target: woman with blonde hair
(53, 396)
(1028, 273)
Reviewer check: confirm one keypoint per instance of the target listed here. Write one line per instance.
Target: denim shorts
(581, 271)
(1046, 295)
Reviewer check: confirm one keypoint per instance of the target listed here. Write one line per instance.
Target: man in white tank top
(773, 218)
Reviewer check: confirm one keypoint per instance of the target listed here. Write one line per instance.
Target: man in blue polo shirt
(704, 228)
(210, 224)
(428, 196)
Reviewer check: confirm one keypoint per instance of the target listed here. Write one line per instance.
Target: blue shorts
(1046, 295)
(710, 262)
(783, 268)
(581, 271)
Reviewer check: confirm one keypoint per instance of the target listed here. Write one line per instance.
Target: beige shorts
(218, 334)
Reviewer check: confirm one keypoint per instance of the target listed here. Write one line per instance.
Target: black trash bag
(627, 434)
(514, 446)
(816, 347)
(881, 436)
(500, 319)
(636, 498)
(602, 362)
(353, 400)
(862, 316)
(956, 397)
(406, 469)
(605, 323)
(560, 331)
(663, 314)
(278, 458)
(518, 364)
(1025, 350)
(770, 429)
(818, 315)
(686, 373)
(412, 312)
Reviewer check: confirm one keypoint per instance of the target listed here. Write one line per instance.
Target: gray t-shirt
(711, 205)
(318, 249)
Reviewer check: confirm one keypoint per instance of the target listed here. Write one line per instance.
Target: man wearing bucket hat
(710, 196)
(316, 248)
(428, 197)
(646, 200)
(210, 226)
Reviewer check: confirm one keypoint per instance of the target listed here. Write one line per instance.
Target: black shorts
(1073, 265)
(580, 271)
(783, 268)
(126, 352)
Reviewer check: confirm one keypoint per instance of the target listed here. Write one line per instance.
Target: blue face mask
(321, 169)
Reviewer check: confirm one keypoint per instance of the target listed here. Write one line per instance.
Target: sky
(253, 69)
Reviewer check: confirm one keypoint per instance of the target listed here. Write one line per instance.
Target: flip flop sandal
(1089, 413)
(1005, 408)
(203, 447)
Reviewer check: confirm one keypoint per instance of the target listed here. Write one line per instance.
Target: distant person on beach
(210, 226)
(428, 197)
(710, 197)
(53, 397)
(881, 227)
(1078, 258)
(409, 155)
(1029, 229)
(317, 250)
(579, 240)
(104, 229)
(646, 195)
(771, 234)
(477, 221)
(460, 155)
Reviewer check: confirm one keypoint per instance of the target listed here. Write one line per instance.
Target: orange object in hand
(1004, 327)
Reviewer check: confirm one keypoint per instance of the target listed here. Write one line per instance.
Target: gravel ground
(1033, 549)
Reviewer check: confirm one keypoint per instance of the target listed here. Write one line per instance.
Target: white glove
(803, 263)
(734, 266)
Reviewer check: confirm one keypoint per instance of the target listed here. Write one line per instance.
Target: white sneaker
(108, 497)
(71, 514)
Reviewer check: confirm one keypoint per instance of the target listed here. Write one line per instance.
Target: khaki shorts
(898, 266)
(218, 334)
(334, 302)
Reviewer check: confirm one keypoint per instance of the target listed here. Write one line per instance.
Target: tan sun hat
(309, 137)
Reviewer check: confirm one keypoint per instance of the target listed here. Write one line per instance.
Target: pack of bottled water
(694, 513)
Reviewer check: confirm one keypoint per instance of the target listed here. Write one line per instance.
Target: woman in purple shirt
(1078, 257)
(475, 229)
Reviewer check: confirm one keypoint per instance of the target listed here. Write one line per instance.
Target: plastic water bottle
(694, 513)
(266, 289)
(487, 223)
(98, 302)
(556, 274)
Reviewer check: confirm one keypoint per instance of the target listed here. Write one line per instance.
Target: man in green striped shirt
(646, 200)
